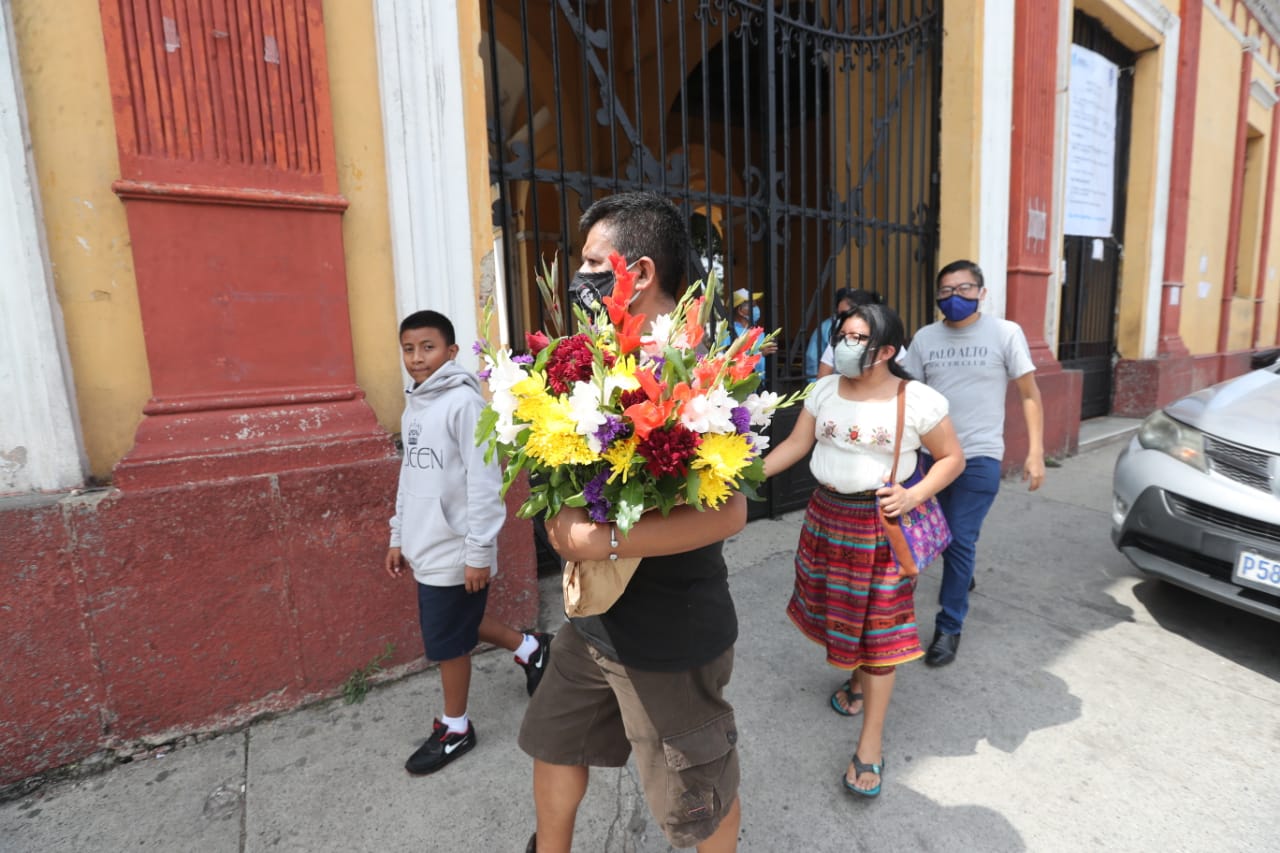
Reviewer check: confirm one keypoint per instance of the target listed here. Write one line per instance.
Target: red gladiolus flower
(667, 451)
(705, 372)
(624, 287)
(742, 367)
(693, 330)
(652, 387)
(629, 333)
(537, 342)
(648, 416)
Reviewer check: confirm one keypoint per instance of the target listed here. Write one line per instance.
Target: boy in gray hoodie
(448, 515)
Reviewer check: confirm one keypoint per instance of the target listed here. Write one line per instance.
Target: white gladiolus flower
(709, 412)
(762, 407)
(584, 406)
(503, 372)
(660, 332)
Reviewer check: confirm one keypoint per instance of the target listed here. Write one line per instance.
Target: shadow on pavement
(1241, 637)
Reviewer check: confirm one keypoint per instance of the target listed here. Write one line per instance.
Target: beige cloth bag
(592, 586)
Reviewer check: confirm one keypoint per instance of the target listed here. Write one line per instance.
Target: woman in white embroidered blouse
(849, 595)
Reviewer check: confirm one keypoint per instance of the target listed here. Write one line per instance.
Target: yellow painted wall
(1135, 268)
(474, 58)
(64, 78)
(961, 127)
(1148, 84)
(1209, 206)
(351, 46)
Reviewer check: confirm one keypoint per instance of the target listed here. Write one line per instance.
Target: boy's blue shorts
(450, 619)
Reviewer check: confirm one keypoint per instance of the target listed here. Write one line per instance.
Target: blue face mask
(755, 314)
(956, 308)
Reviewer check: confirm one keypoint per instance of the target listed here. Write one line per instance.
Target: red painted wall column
(229, 180)
(1031, 197)
(1260, 289)
(1237, 202)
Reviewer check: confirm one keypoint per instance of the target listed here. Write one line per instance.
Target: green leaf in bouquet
(549, 289)
(750, 490)
(576, 499)
(674, 361)
(692, 483)
(486, 426)
(536, 503)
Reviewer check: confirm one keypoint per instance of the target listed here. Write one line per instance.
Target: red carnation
(667, 451)
(570, 362)
(632, 397)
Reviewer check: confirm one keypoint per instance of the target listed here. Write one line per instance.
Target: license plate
(1258, 571)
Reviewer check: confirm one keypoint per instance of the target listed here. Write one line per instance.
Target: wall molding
(1262, 93)
(40, 444)
(420, 77)
(1248, 43)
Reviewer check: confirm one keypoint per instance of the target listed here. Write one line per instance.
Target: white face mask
(848, 358)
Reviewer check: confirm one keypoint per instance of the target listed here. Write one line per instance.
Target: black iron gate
(799, 138)
(1087, 332)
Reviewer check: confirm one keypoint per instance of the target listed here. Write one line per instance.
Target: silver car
(1197, 493)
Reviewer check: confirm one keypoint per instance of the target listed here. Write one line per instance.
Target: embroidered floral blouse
(854, 448)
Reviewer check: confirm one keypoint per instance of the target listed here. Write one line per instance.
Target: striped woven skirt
(849, 595)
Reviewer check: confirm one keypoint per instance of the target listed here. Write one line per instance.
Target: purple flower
(741, 417)
(478, 346)
(483, 375)
(612, 429)
(522, 358)
(597, 503)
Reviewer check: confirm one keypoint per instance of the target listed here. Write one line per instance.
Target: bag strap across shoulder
(897, 433)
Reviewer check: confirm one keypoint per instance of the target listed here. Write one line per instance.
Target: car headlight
(1184, 443)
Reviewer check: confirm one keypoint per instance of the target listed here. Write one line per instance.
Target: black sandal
(858, 769)
(850, 697)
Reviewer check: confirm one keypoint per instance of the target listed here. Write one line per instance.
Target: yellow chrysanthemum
(619, 456)
(532, 386)
(553, 437)
(623, 374)
(712, 490)
(722, 456)
(558, 447)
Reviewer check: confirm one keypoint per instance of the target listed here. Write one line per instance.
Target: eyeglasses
(853, 338)
(963, 289)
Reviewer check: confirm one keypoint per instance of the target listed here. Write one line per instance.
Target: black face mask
(588, 288)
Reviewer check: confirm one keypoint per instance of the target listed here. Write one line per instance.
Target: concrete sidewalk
(1089, 708)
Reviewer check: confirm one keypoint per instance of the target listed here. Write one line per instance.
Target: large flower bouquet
(621, 422)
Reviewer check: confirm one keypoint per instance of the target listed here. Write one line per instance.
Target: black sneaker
(537, 665)
(442, 747)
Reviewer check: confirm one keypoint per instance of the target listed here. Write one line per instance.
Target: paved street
(1089, 709)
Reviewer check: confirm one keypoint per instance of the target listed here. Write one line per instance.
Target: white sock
(527, 647)
(457, 725)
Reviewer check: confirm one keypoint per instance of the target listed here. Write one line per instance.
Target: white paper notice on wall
(1203, 289)
(1091, 144)
(1204, 264)
(1175, 295)
(1098, 249)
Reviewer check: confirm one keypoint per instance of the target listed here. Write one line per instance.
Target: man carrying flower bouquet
(648, 674)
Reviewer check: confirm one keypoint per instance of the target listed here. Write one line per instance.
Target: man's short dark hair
(429, 320)
(644, 224)
(961, 266)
